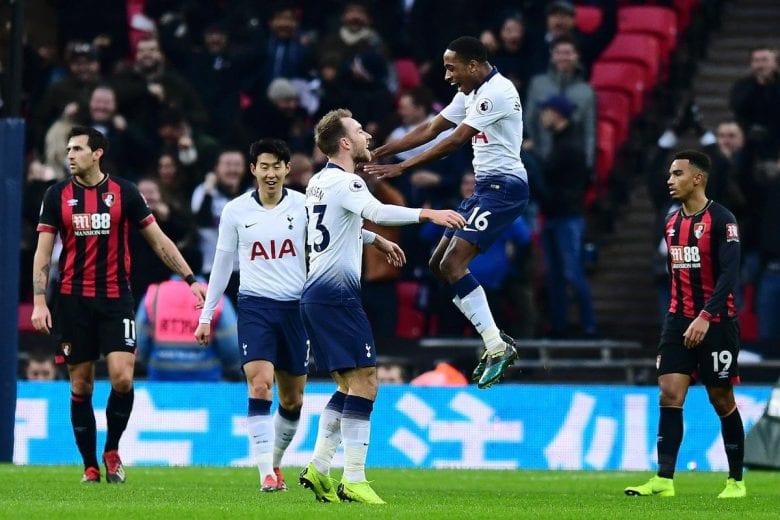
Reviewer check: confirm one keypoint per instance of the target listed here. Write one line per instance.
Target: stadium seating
(661, 22)
(614, 107)
(408, 75)
(25, 314)
(605, 151)
(627, 78)
(640, 49)
(685, 9)
(588, 18)
(411, 321)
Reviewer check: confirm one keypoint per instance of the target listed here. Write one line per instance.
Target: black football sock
(82, 417)
(670, 434)
(734, 442)
(117, 414)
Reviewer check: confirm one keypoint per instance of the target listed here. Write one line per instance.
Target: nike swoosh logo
(249, 225)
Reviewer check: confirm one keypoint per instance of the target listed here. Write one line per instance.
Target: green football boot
(358, 492)
(496, 365)
(734, 489)
(476, 375)
(663, 487)
(319, 483)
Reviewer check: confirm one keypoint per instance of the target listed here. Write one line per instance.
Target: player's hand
(200, 293)
(383, 171)
(395, 255)
(443, 217)
(695, 333)
(203, 333)
(41, 319)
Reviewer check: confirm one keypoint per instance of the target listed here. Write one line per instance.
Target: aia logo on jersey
(108, 199)
(732, 233)
(479, 137)
(484, 106)
(699, 229)
(272, 252)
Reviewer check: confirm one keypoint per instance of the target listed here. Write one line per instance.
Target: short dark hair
(698, 159)
(275, 147)
(329, 130)
(565, 39)
(468, 48)
(421, 97)
(95, 138)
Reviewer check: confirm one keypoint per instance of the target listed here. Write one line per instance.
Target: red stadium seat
(408, 75)
(588, 18)
(641, 49)
(622, 77)
(685, 9)
(658, 21)
(614, 107)
(411, 321)
(25, 314)
(605, 151)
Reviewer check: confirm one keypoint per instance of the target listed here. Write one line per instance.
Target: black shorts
(714, 361)
(88, 327)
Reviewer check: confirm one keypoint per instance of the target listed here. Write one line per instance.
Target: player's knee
(260, 388)
(122, 384)
(723, 403)
(451, 270)
(292, 403)
(671, 396)
(81, 386)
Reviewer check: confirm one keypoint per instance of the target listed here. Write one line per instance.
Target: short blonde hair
(330, 129)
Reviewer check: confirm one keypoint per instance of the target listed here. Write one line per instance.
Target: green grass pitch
(201, 492)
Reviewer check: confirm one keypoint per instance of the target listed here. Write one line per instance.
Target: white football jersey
(494, 110)
(270, 244)
(335, 200)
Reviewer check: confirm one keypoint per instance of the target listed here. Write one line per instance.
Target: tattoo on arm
(173, 259)
(41, 280)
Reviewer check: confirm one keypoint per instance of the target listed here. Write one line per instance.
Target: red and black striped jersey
(93, 222)
(703, 261)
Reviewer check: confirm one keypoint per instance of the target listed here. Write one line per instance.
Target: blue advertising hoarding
(506, 427)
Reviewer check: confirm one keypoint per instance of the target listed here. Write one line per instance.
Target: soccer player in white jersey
(337, 201)
(268, 228)
(486, 111)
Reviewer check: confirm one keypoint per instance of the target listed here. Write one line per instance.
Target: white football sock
(328, 440)
(261, 434)
(284, 431)
(356, 433)
(475, 306)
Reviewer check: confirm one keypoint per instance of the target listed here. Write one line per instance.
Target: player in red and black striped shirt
(700, 337)
(93, 211)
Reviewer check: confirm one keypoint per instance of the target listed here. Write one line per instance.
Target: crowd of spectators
(181, 87)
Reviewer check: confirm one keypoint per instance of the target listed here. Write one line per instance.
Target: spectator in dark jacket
(567, 174)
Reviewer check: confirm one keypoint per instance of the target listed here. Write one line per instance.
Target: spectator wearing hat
(566, 78)
(563, 207)
(280, 115)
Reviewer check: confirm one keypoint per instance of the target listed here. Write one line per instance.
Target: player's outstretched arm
(171, 257)
(461, 135)
(421, 134)
(443, 217)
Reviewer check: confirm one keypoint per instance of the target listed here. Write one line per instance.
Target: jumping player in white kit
(337, 201)
(267, 227)
(486, 111)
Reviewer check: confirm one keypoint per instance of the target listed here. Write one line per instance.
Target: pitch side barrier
(588, 427)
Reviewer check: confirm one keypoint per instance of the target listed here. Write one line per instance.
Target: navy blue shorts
(495, 204)
(341, 337)
(272, 331)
